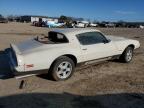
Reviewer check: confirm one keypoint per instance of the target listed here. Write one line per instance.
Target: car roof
(74, 31)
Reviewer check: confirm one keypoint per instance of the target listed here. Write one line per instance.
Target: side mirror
(107, 41)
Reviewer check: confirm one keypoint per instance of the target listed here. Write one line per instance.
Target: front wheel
(62, 68)
(127, 55)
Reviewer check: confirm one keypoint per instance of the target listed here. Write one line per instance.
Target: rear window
(53, 38)
(57, 37)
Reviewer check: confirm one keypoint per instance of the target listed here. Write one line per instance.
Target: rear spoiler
(15, 48)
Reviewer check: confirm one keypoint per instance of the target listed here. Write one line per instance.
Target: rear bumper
(26, 73)
(18, 71)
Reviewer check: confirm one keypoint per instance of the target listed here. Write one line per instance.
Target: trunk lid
(31, 46)
(27, 45)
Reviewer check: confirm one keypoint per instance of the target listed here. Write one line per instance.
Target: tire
(62, 68)
(127, 55)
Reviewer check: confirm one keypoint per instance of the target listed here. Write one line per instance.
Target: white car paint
(141, 26)
(93, 25)
(41, 55)
(82, 24)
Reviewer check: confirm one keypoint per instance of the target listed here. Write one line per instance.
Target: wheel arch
(122, 57)
(72, 57)
(66, 55)
(131, 45)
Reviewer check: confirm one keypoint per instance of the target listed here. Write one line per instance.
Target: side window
(91, 38)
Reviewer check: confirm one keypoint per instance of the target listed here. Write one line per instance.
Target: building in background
(44, 19)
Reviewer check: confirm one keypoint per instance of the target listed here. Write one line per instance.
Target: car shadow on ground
(5, 72)
(66, 100)
(45, 76)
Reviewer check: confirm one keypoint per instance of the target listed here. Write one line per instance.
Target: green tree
(63, 19)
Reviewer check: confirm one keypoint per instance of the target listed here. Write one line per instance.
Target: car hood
(116, 38)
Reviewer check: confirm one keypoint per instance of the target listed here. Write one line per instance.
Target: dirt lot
(107, 85)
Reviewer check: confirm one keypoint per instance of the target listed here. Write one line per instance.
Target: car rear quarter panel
(43, 59)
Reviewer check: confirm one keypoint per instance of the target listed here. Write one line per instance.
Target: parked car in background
(3, 20)
(62, 50)
(93, 25)
(52, 24)
(82, 24)
(141, 26)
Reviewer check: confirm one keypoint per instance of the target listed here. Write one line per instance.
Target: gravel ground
(107, 85)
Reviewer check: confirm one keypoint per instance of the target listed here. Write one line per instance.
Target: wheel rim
(64, 70)
(129, 55)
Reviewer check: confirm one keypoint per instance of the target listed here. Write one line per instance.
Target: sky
(100, 10)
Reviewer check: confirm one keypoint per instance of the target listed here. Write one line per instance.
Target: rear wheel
(62, 68)
(127, 55)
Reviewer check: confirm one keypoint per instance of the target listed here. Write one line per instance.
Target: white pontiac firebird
(62, 50)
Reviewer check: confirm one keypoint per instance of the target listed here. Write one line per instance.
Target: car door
(94, 45)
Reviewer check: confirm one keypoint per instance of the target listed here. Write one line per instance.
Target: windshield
(53, 38)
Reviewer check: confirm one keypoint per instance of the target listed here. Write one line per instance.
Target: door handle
(84, 49)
